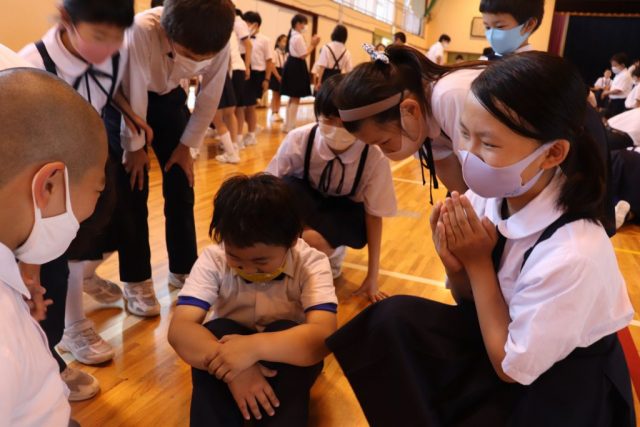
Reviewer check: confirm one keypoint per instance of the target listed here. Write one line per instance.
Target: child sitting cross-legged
(274, 305)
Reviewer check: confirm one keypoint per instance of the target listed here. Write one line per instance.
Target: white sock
(294, 116)
(227, 144)
(74, 310)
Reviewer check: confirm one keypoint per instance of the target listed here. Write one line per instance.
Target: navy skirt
(417, 362)
(340, 220)
(296, 82)
(274, 84)
(228, 98)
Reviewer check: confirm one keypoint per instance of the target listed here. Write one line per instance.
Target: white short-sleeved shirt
(279, 58)
(297, 45)
(237, 63)
(436, 51)
(633, 98)
(375, 190)
(602, 83)
(261, 52)
(241, 30)
(32, 393)
(10, 59)
(628, 122)
(152, 67)
(447, 102)
(570, 292)
(69, 68)
(307, 285)
(623, 82)
(327, 60)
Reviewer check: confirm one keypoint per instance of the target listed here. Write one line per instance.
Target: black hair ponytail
(408, 69)
(543, 97)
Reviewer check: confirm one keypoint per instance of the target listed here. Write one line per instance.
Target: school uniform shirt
(623, 82)
(279, 58)
(602, 83)
(152, 68)
(375, 190)
(326, 60)
(10, 59)
(260, 52)
(237, 63)
(633, 98)
(447, 102)
(241, 30)
(570, 292)
(69, 68)
(307, 285)
(436, 50)
(628, 122)
(32, 393)
(297, 45)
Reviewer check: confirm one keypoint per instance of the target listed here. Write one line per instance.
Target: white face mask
(303, 30)
(616, 70)
(50, 237)
(337, 138)
(414, 133)
(188, 67)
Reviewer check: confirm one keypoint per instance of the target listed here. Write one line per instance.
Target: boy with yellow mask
(274, 305)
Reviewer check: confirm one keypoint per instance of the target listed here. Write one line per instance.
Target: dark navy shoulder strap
(307, 156)
(360, 171)
(49, 65)
(115, 68)
(550, 231)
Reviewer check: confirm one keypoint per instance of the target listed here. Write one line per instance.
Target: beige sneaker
(177, 280)
(336, 259)
(141, 299)
(82, 386)
(81, 340)
(101, 290)
(228, 158)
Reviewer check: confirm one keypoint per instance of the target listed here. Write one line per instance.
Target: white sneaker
(82, 386)
(622, 211)
(211, 133)
(336, 259)
(228, 158)
(249, 140)
(177, 280)
(101, 290)
(275, 117)
(141, 299)
(81, 340)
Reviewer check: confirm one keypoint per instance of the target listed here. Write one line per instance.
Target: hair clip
(375, 55)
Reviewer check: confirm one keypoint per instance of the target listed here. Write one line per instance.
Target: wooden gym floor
(148, 385)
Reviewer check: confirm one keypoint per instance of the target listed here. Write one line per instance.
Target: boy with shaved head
(54, 148)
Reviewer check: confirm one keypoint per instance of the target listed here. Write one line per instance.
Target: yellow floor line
(410, 181)
(401, 164)
(396, 275)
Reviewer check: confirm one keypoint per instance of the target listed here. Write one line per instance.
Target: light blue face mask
(504, 42)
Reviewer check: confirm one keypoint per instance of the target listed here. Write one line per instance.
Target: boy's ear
(530, 26)
(48, 178)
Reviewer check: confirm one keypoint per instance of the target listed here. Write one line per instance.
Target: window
(382, 10)
(409, 18)
(412, 16)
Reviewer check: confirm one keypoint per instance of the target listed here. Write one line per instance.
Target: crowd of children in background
(513, 138)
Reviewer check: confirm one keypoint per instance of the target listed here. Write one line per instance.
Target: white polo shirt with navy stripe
(305, 285)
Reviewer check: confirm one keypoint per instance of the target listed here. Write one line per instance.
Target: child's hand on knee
(235, 354)
(250, 390)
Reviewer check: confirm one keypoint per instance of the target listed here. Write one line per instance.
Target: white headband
(366, 111)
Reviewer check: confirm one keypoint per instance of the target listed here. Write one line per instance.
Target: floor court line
(627, 251)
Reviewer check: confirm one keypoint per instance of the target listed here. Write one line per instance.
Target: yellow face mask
(259, 277)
